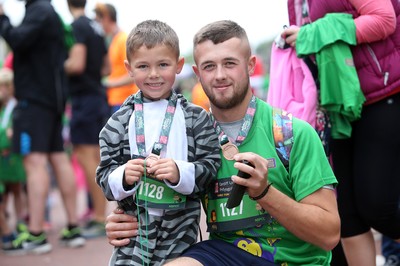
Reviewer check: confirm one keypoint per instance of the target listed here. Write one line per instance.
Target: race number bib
(153, 193)
(220, 219)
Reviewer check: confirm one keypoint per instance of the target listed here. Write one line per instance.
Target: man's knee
(183, 261)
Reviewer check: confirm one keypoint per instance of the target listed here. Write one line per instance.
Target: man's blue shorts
(220, 253)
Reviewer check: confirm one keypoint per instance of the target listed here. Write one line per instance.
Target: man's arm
(118, 82)
(76, 62)
(314, 219)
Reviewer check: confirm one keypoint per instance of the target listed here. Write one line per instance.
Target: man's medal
(229, 150)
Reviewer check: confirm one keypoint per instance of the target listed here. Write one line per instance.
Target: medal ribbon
(141, 144)
(244, 130)
(166, 125)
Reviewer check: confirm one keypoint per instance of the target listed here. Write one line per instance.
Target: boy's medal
(155, 153)
(228, 148)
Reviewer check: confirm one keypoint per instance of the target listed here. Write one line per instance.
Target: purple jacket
(377, 63)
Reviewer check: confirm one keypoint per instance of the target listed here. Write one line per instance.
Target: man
(39, 53)
(86, 65)
(291, 217)
(119, 84)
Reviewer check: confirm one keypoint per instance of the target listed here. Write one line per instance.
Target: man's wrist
(262, 195)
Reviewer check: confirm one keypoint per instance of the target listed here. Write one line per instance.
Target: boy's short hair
(151, 33)
(219, 32)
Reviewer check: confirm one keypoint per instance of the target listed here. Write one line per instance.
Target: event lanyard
(246, 125)
(166, 125)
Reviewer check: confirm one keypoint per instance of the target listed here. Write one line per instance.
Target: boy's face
(154, 70)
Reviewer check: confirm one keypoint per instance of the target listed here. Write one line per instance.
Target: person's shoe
(72, 238)
(94, 229)
(26, 243)
(21, 227)
(6, 241)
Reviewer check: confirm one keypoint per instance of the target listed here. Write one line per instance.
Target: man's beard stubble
(225, 103)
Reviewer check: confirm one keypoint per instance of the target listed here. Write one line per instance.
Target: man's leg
(184, 261)
(66, 183)
(38, 182)
(89, 158)
(360, 247)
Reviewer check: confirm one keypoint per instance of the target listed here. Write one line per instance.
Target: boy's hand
(164, 169)
(134, 170)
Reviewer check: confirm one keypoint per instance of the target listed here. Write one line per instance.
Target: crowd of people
(163, 157)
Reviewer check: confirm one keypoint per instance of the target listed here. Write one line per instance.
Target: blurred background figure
(199, 97)
(40, 89)
(12, 174)
(86, 65)
(119, 84)
(257, 79)
(366, 168)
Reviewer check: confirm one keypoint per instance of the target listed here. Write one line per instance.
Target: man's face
(223, 70)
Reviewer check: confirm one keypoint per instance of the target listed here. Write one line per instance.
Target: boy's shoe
(72, 238)
(26, 243)
(94, 229)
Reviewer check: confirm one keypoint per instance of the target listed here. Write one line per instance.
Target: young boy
(158, 152)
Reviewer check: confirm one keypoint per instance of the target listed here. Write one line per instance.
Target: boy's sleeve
(113, 155)
(185, 186)
(115, 182)
(205, 151)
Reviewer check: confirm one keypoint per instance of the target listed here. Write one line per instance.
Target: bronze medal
(155, 153)
(228, 148)
(152, 157)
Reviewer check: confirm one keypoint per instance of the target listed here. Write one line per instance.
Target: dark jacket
(39, 54)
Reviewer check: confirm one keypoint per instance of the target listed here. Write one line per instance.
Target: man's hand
(258, 180)
(120, 227)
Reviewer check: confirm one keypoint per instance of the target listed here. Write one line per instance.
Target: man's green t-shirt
(309, 171)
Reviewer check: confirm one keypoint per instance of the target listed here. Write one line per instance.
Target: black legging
(367, 167)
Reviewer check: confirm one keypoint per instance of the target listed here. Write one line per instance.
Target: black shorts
(217, 252)
(89, 115)
(36, 129)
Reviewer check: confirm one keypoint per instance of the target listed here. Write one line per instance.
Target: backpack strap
(283, 134)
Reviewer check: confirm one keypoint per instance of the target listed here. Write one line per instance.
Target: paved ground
(95, 252)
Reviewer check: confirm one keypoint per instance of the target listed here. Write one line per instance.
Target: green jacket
(340, 93)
